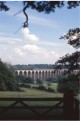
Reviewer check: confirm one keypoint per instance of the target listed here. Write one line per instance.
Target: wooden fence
(68, 103)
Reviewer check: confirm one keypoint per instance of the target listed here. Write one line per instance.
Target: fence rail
(65, 106)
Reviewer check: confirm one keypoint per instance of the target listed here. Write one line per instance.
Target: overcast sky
(39, 43)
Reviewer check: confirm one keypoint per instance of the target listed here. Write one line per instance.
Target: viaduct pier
(42, 74)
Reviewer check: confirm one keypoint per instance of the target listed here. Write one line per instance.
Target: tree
(7, 78)
(41, 6)
(53, 79)
(71, 62)
(39, 82)
(24, 79)
(73, 37)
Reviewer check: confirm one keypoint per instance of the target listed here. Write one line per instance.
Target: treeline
(35, 66)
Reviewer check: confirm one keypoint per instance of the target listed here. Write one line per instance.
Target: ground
(23, 114)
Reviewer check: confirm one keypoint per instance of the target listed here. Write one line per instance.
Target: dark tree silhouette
(71, 62)
(3, 6)
(73, 37)
(41, 6)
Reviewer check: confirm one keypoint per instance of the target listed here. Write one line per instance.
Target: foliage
(41, 6)
(50, 90)
(42, 87)
(33, 66)
(73, 37)
(24, 79)
(53, 79)
(40, 82)
(49, 84)
(25, 85)
(7, 78)
(3, 6)
(72, 62)
(2, 85)
(69, 82)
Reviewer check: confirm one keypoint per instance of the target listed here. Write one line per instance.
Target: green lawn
(53, 85)
(29, 92)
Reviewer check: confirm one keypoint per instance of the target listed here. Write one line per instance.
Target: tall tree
(71, 62)
(7, 78)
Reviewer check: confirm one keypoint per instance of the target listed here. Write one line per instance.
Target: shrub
(24, 79)
(28, 86)
(49, 84)
(42, 87)
(40, 82)
(50, 89)
(70, 82)
(25, 85)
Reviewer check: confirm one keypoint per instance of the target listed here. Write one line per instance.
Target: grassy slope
(29, 92)
(53, 85)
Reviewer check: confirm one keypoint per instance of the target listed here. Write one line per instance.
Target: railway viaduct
(42, 74)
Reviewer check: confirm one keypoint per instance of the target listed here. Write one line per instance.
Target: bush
(28, 86)
(40, 82)
(25, 85)
(41, 87)
(70, 82)
(49, 83)
(24, 79)
(53, 79)
(50, 89)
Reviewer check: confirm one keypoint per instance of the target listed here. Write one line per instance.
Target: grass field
(32, 93)
(29, 92)
(53, 85)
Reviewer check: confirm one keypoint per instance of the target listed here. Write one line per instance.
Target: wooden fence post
(76, 109)
(68, 108)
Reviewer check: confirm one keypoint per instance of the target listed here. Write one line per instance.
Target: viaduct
(42, 74)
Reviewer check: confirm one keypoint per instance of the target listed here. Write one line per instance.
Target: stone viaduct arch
(43, 74)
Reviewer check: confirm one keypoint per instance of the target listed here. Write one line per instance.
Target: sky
(39, 43)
